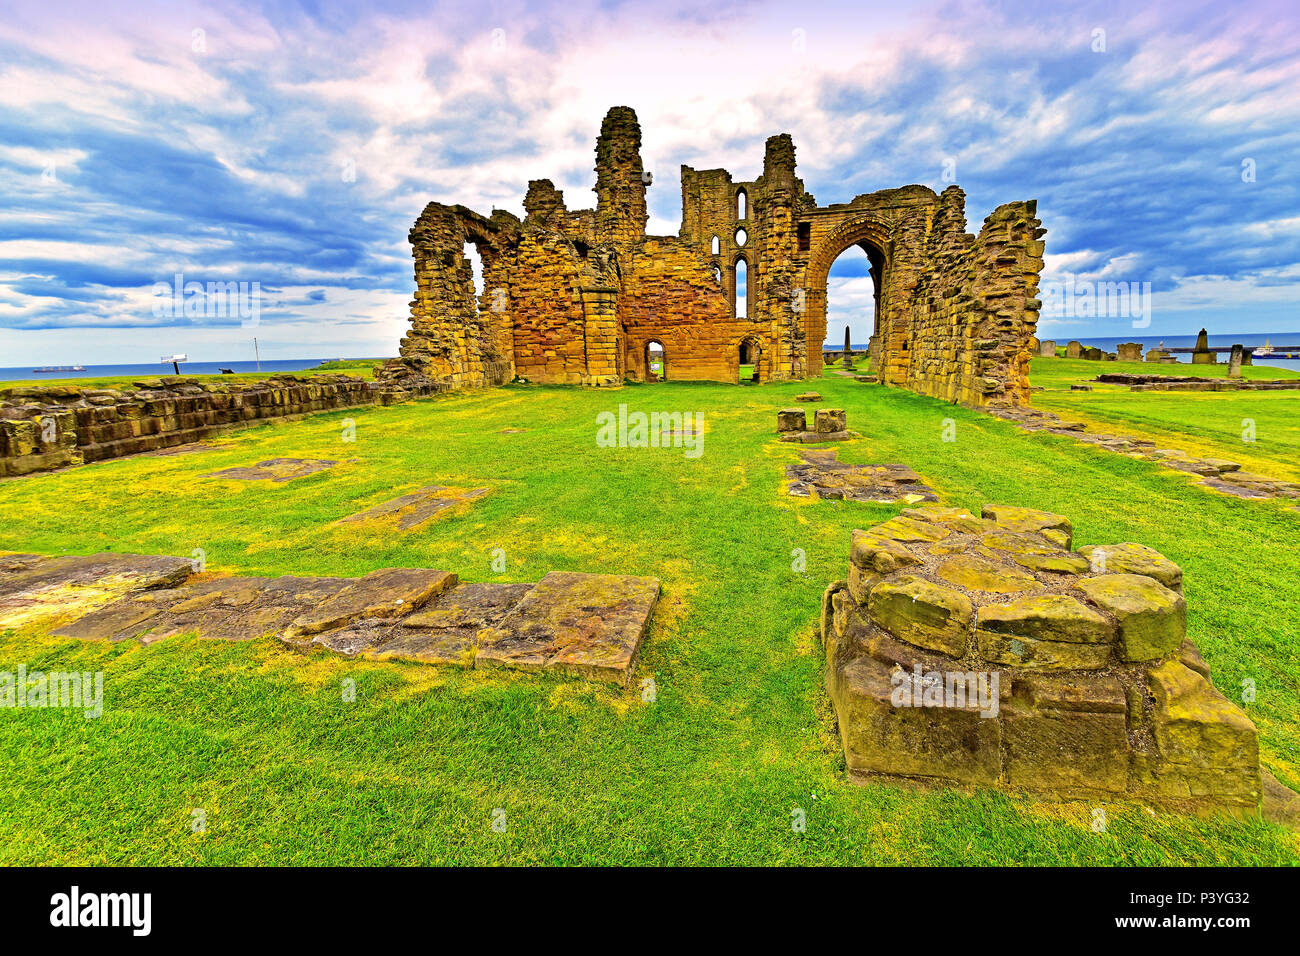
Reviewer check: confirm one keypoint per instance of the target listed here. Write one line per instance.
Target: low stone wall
(984, 651)
(1194, 383)
(47, 427)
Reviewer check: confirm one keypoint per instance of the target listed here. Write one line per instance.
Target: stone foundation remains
(982, 651)
(829, 424)
(585, 296)
(822, 475)
(47, 427)
(589, 625)
(1219, 474)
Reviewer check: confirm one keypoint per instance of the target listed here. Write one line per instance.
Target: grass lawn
(1211, 424)
(740, 733)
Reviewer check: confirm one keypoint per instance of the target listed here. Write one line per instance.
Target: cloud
(293, 145)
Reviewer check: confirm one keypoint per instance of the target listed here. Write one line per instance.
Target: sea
(1276, 339)
(154, 369)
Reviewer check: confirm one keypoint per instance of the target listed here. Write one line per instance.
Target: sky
(292, 144)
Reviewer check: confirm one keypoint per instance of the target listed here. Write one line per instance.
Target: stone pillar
(1201, 355)
(1234, 362)
(600, 311)
(848, 348)
(773, 296)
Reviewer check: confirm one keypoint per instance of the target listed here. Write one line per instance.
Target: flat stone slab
(414, 509)
(274, 469)
(590, 625)
(586, 624)
(229, 609)
(444, 631)
(821, 475)
(35, 590)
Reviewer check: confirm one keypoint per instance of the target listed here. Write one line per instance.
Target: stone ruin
(44, 427)
(583, 296)
(587, 625)
(829, 424)
(983, 651)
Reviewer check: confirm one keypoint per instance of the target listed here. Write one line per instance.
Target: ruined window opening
(715, 246)
(741, 237)
(741, 211)
(717, 274)
(742, 289)
(476, 270)
(656, 362)
(804, 233)
(582, 248)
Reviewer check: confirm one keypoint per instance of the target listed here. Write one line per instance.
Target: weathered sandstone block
(981, 650)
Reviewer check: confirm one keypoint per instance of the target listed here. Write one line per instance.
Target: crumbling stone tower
(581, 297)
(620, 180)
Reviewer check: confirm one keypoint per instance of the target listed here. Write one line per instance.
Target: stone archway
(873, 235)
(750, 360)
(656, 361)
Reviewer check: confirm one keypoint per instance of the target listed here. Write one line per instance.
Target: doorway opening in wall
(656, 362)
(853, 299)
(751, 361)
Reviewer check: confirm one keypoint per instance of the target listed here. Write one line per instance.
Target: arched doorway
(873, 237)
(851, 301)
(750, 361)
(656, 361)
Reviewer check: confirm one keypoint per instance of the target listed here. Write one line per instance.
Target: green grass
(1207, 423)
(741, 732)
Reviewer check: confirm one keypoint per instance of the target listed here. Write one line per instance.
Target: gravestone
(1047, 348)
(1129, 351)
(1234, 362)
(1074, 349)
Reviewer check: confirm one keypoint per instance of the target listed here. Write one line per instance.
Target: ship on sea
(1265, 349)
(61, 368)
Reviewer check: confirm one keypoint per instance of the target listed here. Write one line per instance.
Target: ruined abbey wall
(576, 297)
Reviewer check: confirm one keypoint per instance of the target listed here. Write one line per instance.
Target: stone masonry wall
(42, 428)
(574, 296)
(983, 651)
